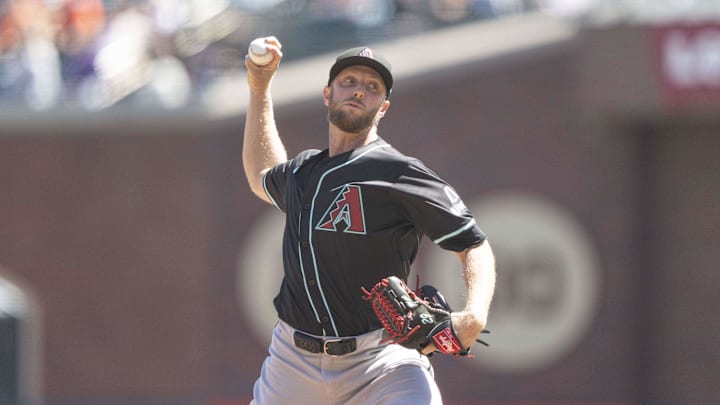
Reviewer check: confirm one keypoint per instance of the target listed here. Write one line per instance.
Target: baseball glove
(414, 319)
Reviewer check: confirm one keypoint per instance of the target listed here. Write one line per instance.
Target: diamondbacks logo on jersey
(346, 210)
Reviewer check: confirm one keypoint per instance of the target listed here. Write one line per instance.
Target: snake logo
(347, 208)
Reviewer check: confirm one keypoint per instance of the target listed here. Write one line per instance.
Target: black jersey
(351, 220)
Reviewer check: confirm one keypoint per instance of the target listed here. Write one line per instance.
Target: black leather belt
(331, 346)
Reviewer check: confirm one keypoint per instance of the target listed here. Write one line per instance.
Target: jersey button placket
(306, 224)
(312, 283)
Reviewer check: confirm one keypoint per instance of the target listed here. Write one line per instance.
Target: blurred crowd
(93, 54)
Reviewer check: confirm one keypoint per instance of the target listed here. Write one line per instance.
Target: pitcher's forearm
(479, 273)
(262, 147)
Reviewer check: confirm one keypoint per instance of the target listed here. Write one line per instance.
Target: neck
(341, 142)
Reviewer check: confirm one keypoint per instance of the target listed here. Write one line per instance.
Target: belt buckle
(325, 346)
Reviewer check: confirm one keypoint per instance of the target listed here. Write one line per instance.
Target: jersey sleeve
(275, 180)
(437, 210)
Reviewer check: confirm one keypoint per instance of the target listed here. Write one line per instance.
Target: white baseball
(259, 53)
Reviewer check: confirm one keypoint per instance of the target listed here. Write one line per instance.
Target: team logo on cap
(368, 53)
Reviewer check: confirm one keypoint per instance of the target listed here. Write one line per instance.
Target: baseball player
(355, 214)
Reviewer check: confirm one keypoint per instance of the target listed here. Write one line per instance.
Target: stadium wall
(138, 238)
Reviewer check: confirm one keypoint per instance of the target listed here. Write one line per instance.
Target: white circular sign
(547, 281)
(260, 272)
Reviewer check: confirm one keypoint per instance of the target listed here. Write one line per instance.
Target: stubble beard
(348, 123)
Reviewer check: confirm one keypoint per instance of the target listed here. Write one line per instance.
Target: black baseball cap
(363, 55)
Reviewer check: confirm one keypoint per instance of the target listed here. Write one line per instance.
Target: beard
(351, 123)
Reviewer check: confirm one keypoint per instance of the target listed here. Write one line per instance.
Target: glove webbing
(394, 321)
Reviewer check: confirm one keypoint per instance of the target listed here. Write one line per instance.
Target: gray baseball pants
(376, 373)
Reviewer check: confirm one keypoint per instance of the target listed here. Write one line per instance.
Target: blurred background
(94, 54)
(136, 268)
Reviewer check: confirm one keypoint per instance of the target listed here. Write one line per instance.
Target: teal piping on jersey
(457, 232)
(267, 193)
(311, 228)
(302, 269)
(307, 290)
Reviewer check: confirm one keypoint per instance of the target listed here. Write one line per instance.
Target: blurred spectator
(121, 58)
(568, 8)
(371, 13)
(127, 65)
(450, 10)
(100, 53)
(29, 61)
(79, 22)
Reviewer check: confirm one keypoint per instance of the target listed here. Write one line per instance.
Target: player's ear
(384, 107)
(326, 95)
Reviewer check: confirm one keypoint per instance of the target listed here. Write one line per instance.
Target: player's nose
(359, 94)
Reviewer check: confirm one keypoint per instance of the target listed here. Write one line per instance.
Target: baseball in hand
(259, 53)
